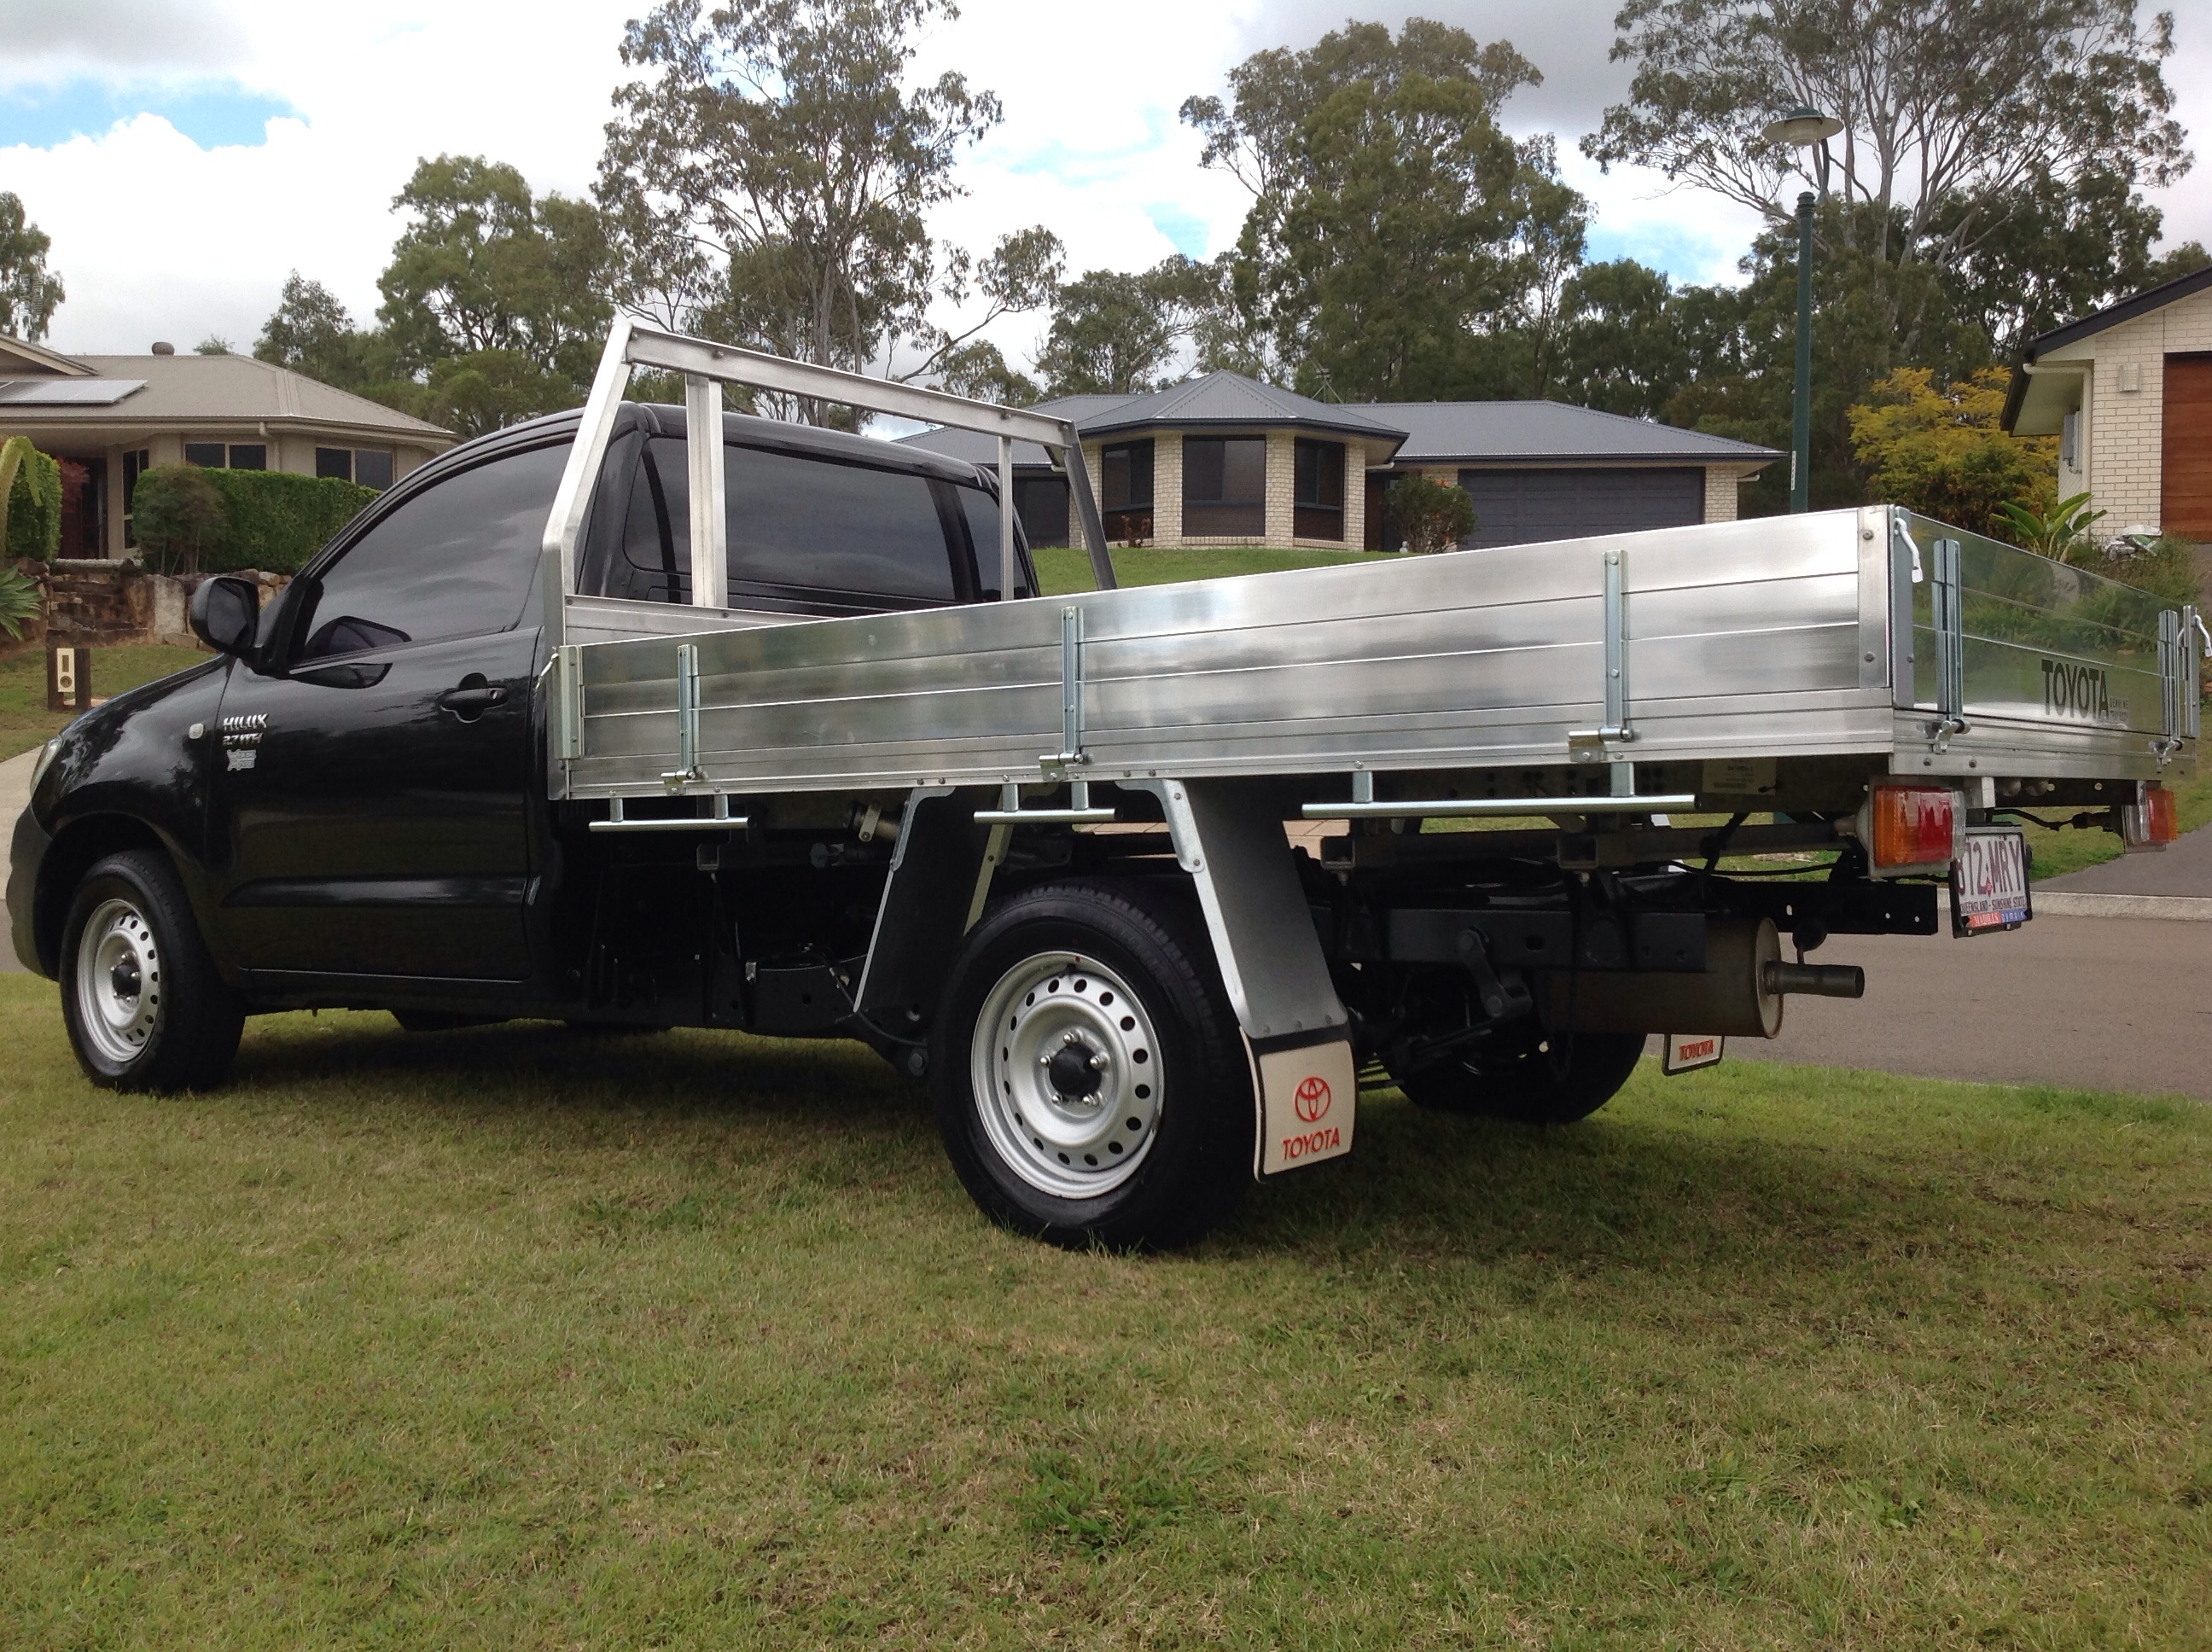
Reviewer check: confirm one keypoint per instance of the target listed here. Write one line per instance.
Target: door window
(456, 560)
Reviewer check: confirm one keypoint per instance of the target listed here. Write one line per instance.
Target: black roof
(1553, 433)
(1421, 433)
(2151, 298)
(1223, 397)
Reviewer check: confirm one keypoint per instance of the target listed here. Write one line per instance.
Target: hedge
(34, 505)
(274, 520)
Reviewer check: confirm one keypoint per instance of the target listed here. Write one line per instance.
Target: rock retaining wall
(95, 604)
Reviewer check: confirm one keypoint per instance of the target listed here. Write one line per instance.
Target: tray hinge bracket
(686, 772)
(569, 700)
(1071, 754)
(2175, 648)
(1950, 644)
(1589, 746)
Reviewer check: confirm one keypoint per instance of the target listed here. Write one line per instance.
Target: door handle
(472, 699)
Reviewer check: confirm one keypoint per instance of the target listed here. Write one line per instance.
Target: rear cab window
(807, 532)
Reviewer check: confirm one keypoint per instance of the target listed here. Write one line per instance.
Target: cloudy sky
(185, 157)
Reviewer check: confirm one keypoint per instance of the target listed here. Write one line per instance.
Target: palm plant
(2060, 534)
(18, 601)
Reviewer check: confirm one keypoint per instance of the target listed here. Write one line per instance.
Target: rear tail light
(1911, 827)
(2153, 822)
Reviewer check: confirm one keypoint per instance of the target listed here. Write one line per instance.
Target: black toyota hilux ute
(349, 805)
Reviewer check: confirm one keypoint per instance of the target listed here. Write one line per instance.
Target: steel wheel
(119, 981)
(1065, 1063)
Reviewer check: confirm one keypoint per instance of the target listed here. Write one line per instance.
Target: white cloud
(157, 237)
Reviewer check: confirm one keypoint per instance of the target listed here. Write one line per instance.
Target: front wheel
(144, 1005)
(1090, 1081)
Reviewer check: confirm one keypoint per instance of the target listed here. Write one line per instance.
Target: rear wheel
(1539, 1078)
(1089, 1078)
(144, 1005)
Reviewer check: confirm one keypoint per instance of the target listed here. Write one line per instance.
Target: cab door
(374, 793)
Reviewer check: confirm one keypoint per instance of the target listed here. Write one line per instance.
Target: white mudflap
(1687, 1052)
(1309, 1099)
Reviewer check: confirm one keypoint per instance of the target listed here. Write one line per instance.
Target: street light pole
(1805, 128)
(1801, 412)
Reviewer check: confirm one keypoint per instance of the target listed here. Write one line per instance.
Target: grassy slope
(512, 1338)
(24, 720)
(1062, 570)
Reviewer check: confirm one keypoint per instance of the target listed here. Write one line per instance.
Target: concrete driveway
(2099, 1003)
(15, 797)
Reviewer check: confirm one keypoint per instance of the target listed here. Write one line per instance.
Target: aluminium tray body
(1775, 637)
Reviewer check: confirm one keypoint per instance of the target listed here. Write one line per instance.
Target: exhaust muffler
(1739, 995)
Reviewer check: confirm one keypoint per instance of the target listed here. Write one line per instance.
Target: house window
(1225, 487)
(370, 466)
(248, 456)
(207, 454)
(136, 464)
(1317, 490)
(1126, 483)
(1041, 504)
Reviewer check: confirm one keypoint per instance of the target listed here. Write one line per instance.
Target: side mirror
(226, 611)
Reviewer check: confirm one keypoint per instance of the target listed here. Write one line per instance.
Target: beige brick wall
(1724, 489)
(2123, 406)
(1281, 483)
(1167, 488)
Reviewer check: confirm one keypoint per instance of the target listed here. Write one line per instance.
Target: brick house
(110, 417)
(1222, 459)
(2127, 393)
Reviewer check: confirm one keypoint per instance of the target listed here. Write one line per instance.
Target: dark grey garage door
(1516, 507)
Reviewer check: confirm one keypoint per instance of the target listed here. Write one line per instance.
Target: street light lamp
(1804, 128)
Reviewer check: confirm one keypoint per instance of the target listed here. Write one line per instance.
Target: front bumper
(27, 854)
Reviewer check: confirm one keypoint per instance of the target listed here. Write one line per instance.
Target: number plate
(1989, 884)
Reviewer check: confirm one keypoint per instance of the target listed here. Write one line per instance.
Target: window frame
(1250, 517)
(1133, 518)
(1310, 518)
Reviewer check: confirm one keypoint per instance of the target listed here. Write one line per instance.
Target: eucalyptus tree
(2003, 145)
(772, 171)
(30, 293)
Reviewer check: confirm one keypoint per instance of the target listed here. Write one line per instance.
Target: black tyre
(1538, 1079)
(144, 1007)
(1089, 1077)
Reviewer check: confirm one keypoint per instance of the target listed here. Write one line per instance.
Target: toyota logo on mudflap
(1312, 1098)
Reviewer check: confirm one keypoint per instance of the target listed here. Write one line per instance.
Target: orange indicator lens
(2161, 824)
(1914, 826)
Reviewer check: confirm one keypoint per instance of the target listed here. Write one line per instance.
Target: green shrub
(178, 516)
(31, 515)
(272, 521)
(1428, 516)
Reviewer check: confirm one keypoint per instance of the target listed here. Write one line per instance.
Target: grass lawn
(24, 720)
(1062, 570)
(516, 1337)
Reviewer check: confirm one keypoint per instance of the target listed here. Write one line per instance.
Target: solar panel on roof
(66, 392)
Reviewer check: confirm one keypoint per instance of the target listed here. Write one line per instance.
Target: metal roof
(1553, 433)
(2154, 298)
(1421, 433)
(180, 391)
(1229, 398)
